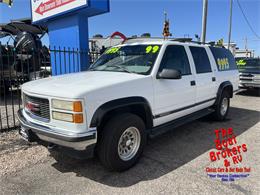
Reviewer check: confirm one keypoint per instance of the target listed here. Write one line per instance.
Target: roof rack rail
(211, 43)
(186, 40)
(182, 39)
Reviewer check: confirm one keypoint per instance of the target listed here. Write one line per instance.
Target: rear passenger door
(205, 78)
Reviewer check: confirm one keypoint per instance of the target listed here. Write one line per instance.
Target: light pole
(204, 20)
(230, 23)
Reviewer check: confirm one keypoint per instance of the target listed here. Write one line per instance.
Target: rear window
(201, 59)
(224, 59)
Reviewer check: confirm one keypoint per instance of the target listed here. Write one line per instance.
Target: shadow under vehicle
(24, 60)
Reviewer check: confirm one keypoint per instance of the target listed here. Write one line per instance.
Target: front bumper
(250, 84)
(37, 132)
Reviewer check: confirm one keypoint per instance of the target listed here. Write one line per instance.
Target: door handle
(213, 79)
(192, 83)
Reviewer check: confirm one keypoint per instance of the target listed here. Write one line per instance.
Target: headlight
(74, 106)
(73, 118)
(62, 116)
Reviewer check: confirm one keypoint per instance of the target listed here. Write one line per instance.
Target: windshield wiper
(120, 67)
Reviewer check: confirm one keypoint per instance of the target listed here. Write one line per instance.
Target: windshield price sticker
(152, 49)
(241, 63)
(149, 49)
(223, 63)
(112, 50)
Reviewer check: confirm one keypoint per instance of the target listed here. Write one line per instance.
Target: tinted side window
(175, 57)
(224, 59)
(201, 59)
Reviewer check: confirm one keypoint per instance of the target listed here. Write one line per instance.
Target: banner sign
(42, 9)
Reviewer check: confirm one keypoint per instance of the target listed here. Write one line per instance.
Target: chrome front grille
(38, 107)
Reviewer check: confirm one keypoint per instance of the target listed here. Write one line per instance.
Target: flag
(8, 2)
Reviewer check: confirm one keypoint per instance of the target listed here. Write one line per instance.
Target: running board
(161, 129)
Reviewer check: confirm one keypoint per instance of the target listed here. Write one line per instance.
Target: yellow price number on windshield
(241, 63)
(152, 49)
(223, 63)
(112, 50)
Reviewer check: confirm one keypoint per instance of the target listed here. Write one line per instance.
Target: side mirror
(169, 74)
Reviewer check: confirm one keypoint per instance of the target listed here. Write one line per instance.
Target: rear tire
(222, 108)
(122, 142)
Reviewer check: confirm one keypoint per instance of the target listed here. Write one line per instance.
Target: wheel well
(229, 90)
(138, 109)
(225, 86)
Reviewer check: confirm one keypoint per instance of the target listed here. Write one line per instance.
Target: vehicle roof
(161, 42)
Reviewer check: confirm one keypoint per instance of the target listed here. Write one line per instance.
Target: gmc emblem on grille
(32, 107)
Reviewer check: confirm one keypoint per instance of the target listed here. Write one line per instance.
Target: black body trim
(193, 83)
(221, 88)
(122, 103)
(181, 109)
(178, 122)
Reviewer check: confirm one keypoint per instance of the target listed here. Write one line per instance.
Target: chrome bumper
(249, 84)
(76, 141)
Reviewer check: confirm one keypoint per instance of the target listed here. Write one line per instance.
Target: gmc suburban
(133, 91)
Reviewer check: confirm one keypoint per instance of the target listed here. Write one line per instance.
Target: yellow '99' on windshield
(152, 49)
(148, 49)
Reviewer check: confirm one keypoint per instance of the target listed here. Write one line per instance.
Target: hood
(75, 85)
(252, 70)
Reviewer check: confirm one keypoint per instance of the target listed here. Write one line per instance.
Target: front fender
(121, 103)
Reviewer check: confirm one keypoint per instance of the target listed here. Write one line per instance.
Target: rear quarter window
(224, 59)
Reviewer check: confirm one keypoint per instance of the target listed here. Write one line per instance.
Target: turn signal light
(78, 118)
(77, 106)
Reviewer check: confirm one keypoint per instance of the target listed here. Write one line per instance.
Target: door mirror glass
(169, 74)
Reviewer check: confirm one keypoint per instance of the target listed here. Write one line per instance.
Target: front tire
(122, 142)
(222, 108)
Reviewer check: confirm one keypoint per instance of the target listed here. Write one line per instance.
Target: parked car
(131, 92)
(249, 72)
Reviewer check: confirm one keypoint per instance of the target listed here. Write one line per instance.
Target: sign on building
(43, 9)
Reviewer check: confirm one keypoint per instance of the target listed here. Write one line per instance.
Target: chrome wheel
(224, 106)
(129, 143)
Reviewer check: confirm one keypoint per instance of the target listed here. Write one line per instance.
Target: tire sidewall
(116, 128)
(223, 95)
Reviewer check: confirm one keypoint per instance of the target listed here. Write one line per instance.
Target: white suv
(132, 91)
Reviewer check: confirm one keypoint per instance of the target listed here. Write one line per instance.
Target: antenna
(166, 27)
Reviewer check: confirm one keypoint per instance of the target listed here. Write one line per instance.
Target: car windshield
(137, 59)
(248, 64)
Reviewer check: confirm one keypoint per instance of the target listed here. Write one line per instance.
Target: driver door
(174, 98)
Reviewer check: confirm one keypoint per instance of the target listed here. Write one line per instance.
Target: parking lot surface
(173, 163)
